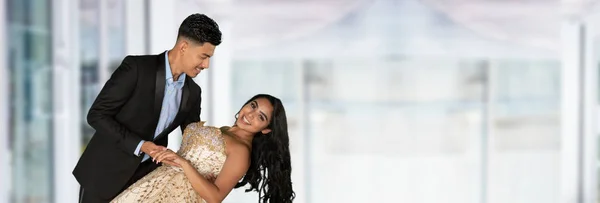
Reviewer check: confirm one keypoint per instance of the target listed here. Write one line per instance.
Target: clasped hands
(161, 154)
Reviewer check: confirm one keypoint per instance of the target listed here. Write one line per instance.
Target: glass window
(525, 131)
(393, 132)
(30, 134)
(89, 37)
(116, 33)
(90, 85)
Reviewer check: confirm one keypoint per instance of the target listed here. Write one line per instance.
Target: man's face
(196, 57)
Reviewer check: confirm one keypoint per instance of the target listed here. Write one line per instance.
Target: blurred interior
(421, 101)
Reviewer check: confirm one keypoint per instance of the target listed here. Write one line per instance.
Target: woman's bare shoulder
(235, 146)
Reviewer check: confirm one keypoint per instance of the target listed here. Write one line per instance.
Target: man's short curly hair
(200, 29)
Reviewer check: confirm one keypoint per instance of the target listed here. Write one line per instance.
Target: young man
(145, 99)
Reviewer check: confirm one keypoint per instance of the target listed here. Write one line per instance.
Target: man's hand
(151, 149)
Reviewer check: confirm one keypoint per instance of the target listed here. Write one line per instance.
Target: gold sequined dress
(203, 146)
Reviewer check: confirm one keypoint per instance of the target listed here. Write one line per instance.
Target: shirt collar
(169, 75)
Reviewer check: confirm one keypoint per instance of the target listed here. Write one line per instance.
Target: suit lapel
(185, 97)
(159, 89)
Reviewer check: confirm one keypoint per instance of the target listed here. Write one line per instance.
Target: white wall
(66, 99)
(135, 27)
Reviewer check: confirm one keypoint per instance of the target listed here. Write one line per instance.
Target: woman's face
(255, 116)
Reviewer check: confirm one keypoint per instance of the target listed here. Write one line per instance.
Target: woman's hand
(170, 158)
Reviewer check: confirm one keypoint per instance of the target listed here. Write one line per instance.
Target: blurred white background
(420, 101)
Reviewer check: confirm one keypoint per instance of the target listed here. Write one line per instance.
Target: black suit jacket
(125, 112)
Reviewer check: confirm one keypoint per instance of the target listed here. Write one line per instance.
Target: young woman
(254, 150)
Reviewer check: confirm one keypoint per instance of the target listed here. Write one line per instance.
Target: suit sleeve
(113, 96)
(194, 115)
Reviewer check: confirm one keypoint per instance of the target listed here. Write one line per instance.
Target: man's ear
(265, 131)
(183, 46)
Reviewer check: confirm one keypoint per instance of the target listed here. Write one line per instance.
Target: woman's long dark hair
(270, 168)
